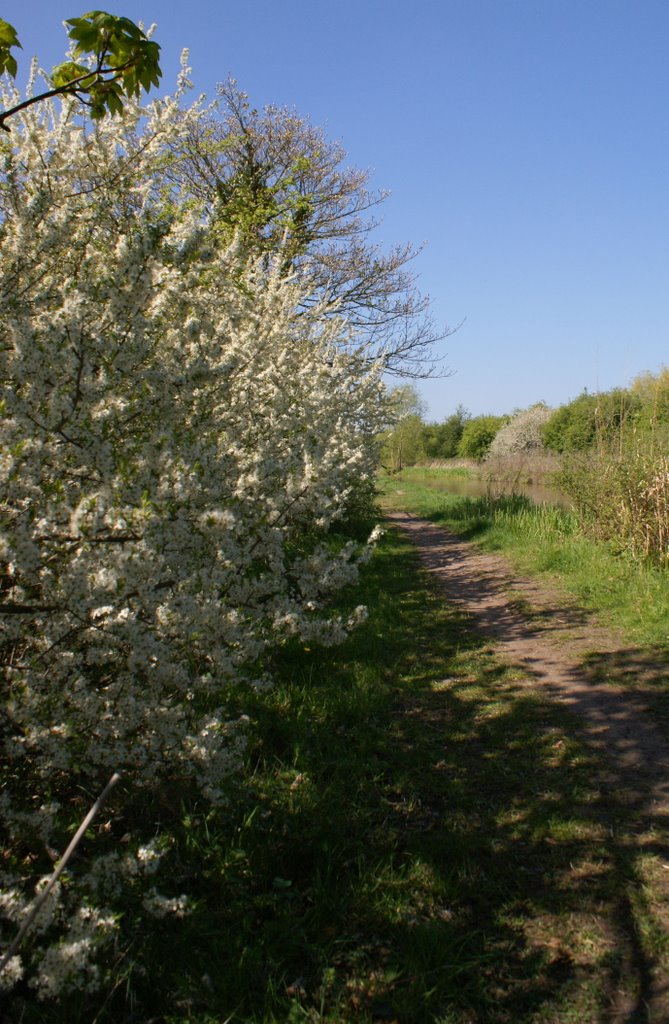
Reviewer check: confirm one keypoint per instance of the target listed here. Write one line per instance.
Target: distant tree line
(636, 416)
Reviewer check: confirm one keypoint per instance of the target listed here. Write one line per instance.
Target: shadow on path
(559, 651)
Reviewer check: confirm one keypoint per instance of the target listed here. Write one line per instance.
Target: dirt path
(551, 642)
(534, 630)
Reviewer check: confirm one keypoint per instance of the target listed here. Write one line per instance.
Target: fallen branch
(58, 870)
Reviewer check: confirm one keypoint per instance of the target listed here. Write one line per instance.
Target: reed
(623, 499)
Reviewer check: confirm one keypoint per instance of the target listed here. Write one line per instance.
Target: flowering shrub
(177, 442)
(523, 433)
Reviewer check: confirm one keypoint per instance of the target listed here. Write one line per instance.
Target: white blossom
(177, 443)
(11, 973)
(164, 906)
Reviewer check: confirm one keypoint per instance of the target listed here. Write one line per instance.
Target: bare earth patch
(555, 647)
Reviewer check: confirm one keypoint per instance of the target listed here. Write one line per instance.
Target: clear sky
(525, 142)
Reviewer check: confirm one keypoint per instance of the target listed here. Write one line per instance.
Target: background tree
(477, 436)
(275, 179)
(441, 440)
(591, 420)
(402, 444)
(523, 434)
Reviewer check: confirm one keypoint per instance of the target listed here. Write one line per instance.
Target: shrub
(590, 420)
(651, 421)
(523, 432)
(622, 499)
(177, 444)
(477, 436)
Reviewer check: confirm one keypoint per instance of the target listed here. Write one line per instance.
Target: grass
(509, 469)
(420, 839)
(443, 471)
(631, 596)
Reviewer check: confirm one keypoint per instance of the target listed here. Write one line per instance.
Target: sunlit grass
(545, 539)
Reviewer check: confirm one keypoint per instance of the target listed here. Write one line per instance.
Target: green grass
(419, 839)
(445, 472)
(630, 596)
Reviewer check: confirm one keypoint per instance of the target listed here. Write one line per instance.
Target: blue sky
(525, 142)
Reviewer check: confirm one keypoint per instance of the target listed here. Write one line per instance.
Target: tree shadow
(425, 840)
(464, 856)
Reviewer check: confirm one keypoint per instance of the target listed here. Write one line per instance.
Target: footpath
(556, 647)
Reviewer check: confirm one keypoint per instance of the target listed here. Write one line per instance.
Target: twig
(58, 870)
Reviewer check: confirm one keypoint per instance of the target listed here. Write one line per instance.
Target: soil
(560, 649)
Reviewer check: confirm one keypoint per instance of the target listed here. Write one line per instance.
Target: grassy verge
(629, 595)
(506, 469)
(444, 471)
(421, 840)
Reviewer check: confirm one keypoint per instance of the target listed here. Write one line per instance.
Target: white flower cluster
(163, 906)
(177, 441)
(522, 433)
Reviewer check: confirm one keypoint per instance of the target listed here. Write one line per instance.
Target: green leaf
(64, 74)
(8, 64)
(122, 45)
(85, 35)
(122, 62)
(106, 97)
(282, 883)
(8, 38)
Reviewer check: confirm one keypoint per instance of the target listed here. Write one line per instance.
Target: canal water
(473, 487)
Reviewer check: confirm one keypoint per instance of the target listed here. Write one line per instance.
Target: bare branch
(275, 178)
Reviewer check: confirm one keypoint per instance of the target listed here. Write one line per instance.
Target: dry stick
(60, 867)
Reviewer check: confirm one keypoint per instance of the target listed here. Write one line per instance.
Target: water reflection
(474, 487)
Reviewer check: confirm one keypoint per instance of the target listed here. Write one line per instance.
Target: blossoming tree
(179, 435)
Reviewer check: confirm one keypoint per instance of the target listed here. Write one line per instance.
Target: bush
(623, 500)
(590, 420)
(522, 434)
(477, 436)
(177, 444)
(651, 421)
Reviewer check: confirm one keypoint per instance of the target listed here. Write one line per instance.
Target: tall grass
(460, 469)
(623, 498)
(518, 514)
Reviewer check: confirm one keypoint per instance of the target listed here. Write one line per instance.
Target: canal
(478, 487)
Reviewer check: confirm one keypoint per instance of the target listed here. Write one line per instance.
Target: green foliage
(71, 73)
(260, 211)
(590, 420)
(8, 39)
(441, 440)
(572, 426)
(122, 51)
(478, 434)
(652, 418)
(120, 62)
(402, 445)
(623, 500)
